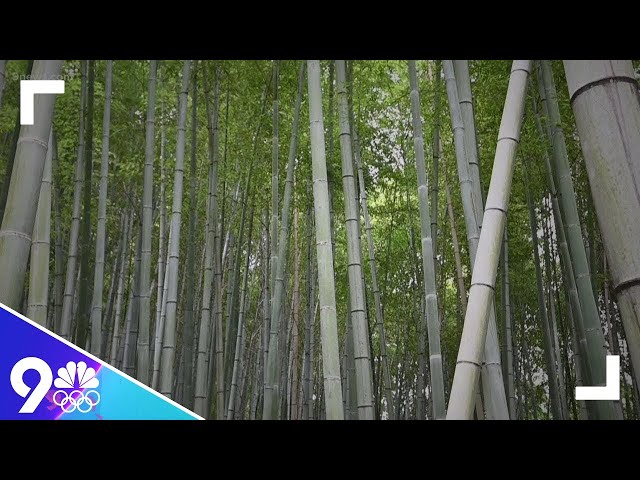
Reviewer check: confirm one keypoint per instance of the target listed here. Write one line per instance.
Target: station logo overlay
(44, 377)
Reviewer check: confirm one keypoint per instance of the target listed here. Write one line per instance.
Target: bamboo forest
(334, 240)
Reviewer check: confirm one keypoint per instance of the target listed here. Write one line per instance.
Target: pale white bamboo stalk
(481, 294)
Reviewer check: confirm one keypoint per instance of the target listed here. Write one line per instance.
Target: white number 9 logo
(22, 389)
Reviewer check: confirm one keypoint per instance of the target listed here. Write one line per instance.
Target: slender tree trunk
(462, 291)
(273, 229)
(295, 367)
(361, 349)
(58, 255)
(237, 370)
(477, 318)
(133, 309)
(271, 386)
(188, 327)
(83, 313)
(168, 345)
(307, 381)
(507, 321)
(107, 324)
(144, 322)
(428, 266)
(24, 190)
(542, 310)
(159, 334)
(124, 271)
(72, 251)
(210, 252)
(552, 317)
(39, 268)
(161, 240)
(98, 278)
(435, 152)
(463, 84)
(388, 386)
(111, 294)
(328, 320)
(604, 97)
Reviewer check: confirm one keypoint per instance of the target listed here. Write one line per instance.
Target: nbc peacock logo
(76, 384)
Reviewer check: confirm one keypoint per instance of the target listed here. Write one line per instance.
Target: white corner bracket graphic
(609, 392)
(29, 88)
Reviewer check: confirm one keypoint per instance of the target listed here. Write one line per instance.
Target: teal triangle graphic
(45, 377)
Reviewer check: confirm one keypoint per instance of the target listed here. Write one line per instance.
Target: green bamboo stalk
(511, 395)
(275, 165)
(361, 349)
(168, 345)
(98, 278)
(83, 313)
(189, 323)
(72, 250)
(39, 263)
(271, 385)
(428, 266)
(147, 213)
(326, 286)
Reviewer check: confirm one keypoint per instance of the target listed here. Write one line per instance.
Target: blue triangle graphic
(44, 377)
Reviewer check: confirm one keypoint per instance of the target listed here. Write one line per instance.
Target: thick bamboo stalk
(604, 99)
(472, 345)
(24, 190)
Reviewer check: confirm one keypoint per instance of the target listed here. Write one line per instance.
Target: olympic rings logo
(70, 403)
